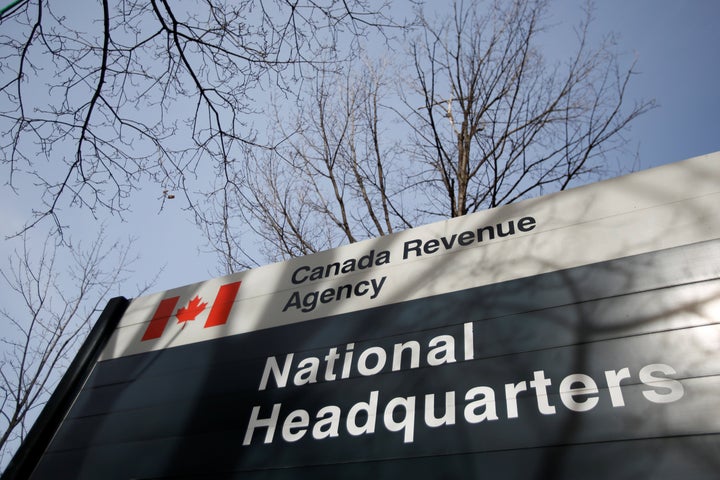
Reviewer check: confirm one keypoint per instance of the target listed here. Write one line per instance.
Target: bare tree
(54, 295)
(498, 122)
(93, 101)
(488, 121)
(331, 179)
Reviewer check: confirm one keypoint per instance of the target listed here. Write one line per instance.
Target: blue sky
(678, 48)
(678, 65)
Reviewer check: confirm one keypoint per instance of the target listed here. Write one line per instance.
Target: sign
(574, 335)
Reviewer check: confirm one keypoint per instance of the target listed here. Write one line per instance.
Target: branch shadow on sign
(566, 350)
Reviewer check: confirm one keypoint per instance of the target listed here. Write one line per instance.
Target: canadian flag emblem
(218, 315)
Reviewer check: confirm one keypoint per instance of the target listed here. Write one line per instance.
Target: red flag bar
(160, 319)
(223, 303)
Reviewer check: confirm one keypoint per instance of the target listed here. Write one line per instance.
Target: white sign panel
(643, 212)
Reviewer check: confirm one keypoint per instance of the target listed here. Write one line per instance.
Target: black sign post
(39, 436)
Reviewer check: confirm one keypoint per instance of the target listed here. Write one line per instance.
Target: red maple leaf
(194, 308)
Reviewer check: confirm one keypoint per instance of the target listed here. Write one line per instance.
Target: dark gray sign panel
(589, 350)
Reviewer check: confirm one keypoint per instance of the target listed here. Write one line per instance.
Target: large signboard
(571, 336)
